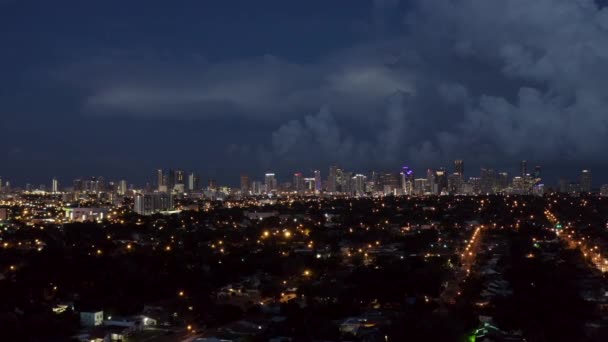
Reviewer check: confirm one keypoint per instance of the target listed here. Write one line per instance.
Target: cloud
(264, 88)
(485, 80)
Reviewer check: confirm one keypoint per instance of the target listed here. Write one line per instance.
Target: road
(467, 260)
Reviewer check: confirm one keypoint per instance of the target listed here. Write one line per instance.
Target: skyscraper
(407, 180)
(523, 168)
(441, 180)
(318, 181)
(160, 179)
(502, 181)
(298, 181)
(332, 179)
(55, 186)
(420, 185)
(537, 172)
(256, 187)
(359, 184)
(244, 184)
(430, 181)
(270, 182)
(459, 167)
(390, 181)
(586, 181)
(193, 181)
(487, 181)
(179, 177)
(170, 180)
(122, 187)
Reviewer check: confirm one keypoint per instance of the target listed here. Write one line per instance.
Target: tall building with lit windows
(332, 179)
(523, 168)
(55, 186)
(459, 167)
(358, 182)
(318, 181)
(193, 181)
(245, 184)
(122, 187)
(148, 204)
(298, 181)
(270, 182)
(586, 181)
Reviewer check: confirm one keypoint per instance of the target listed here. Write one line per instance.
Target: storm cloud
(490, 81)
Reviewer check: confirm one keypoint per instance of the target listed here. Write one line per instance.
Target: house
(91, 318)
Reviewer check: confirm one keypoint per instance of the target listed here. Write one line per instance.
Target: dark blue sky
(120, 88)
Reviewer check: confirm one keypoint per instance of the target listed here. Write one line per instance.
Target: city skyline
(454, 180)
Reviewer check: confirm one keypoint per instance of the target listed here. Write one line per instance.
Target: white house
(91, 318)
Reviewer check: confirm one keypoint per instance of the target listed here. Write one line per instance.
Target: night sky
(223, 87)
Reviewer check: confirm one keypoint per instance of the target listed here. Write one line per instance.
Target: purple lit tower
(407, 179)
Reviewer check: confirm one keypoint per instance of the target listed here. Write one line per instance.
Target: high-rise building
(537, 172)
(358, 182)
(459, 167)
(604, 190)
(487, 181)
(193, 181)
(310, 184)
(574, 188)
(523, 168)
(298, 181)
(160, 179)
(441, 180)
(256, 187)
(502, 181)
(245, 184)
(344, 182)
(212, 184)
(318, 181)
(390, 181)
(122, 187)
(407, 180)
(375, 180)
(148, 204)
(332, 179)
(179, 177)
(270, 182)
(55, 186)
(519, 185)
(430, 181)
(455, 183)
(586, 181)
(563, 185)
(420, 186)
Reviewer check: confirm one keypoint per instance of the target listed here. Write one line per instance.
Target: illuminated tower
(270, 182)
(318, 182)
(55, 186)
(586, 181)
(459, 167)
(160, 178)
(122, 187)
(244, 184)
(298, 181)
(407, 180)
(523, 168)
